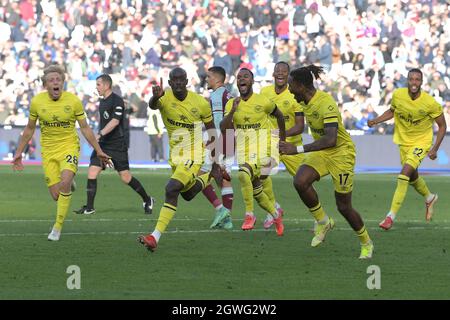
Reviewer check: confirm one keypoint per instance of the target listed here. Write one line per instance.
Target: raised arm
(158, 92)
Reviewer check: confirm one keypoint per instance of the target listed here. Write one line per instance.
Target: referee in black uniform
(112, 137)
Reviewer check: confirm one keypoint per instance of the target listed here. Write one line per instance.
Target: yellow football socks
(246, 188)
(420, 186)
(318, 212)
(165, 215)
(263, 200)
(268, 189)
(400, 192)
(62, 206)
(363, 235)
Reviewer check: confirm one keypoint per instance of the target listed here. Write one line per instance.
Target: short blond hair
(54, 68)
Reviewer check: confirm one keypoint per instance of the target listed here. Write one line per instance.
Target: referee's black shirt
(110, 108)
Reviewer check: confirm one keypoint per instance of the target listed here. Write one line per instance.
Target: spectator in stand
(348, 120)
(222, 59)
(361, 124)
(139, 41)
(235, 50)
(313, 21)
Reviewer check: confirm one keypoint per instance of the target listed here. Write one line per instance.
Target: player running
(414, 112)
(332, 152)
(57, 110)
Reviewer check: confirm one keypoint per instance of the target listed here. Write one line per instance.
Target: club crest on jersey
(67, 109)
(315, 115)
(106, 115)
(422, 112)
(286, 103)
(194, 111)
(258, 108)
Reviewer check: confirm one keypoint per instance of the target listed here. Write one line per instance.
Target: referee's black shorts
(117, 152)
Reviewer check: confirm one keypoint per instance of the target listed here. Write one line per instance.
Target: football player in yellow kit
(57, 110)
(414, 112)
(248, 115)
(332, 152)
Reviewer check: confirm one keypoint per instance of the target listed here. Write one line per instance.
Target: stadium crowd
(366, 47)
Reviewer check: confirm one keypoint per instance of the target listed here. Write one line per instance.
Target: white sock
(249, 214)
(156, 234)
(323, 221)
(277, 205)
(227, 190)
(391, 215)
(219, 207)
(429, 197)
(269, 217)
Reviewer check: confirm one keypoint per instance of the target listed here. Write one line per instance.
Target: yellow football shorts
(413, 155)
(292, 162)
(56, 161)
(263, 167)
(185, 173)
(338, 163)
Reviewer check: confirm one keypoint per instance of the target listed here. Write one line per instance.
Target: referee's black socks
(137, 186)
(91, 190)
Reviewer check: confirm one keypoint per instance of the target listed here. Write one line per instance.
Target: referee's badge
(106, 115)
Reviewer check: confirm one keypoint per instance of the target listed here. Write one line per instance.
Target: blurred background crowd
(366, 46)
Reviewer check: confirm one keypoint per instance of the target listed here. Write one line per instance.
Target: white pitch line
(191, 231)
(180, 219)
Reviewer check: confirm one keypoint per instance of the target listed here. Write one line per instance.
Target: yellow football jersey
(183, 121)
(414, 118)
(290, 108)
(321, 110)
(253, 128)
(57, 119)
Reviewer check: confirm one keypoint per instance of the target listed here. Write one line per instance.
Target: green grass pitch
(193, 262)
